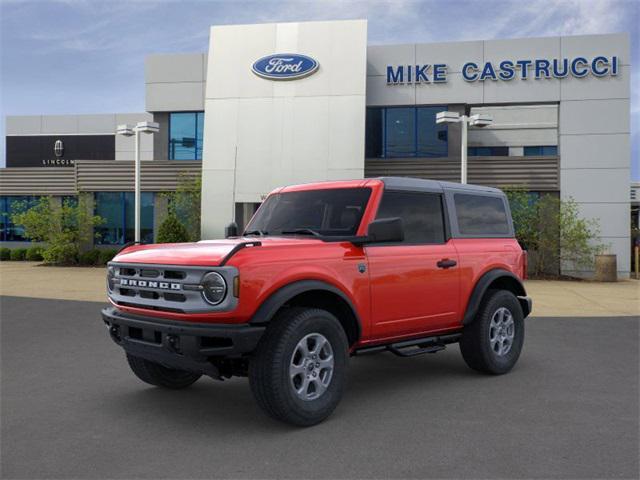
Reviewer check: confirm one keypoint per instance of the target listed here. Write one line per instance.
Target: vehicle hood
(203, 253)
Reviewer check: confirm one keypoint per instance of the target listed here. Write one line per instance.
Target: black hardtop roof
(419, 184)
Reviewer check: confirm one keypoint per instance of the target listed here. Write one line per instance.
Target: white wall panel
(175, 97)
(595, 151)
(593, 88)
(379, 56)
(23, 125)
(174, 68)
(521, 49)
(592, 185)
(276, 133)
(593, 45)
(453, 54)
(455, 90)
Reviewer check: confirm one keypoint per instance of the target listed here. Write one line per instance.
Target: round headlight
(111, 273)
(214, 288)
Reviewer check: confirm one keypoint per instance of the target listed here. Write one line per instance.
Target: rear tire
(493, 341)
(160, 376)
(298, 372)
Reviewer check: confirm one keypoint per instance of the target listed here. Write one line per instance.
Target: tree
(184, 203)
(172, 231)
(63, 227)
(553, 232)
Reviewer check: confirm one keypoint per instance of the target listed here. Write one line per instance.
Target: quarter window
(421, 215)
(480, 215)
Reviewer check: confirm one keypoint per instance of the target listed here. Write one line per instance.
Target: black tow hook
(114, 331)
(174, 343)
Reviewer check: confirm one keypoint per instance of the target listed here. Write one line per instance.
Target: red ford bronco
(322, 272)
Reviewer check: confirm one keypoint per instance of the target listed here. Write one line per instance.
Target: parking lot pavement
(72, 409)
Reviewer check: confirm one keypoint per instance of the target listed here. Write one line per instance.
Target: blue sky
(83, 56)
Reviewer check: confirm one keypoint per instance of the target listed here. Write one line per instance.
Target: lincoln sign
(506, 70)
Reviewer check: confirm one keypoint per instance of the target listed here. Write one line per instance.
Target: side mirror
(385, 230)
(231, 230)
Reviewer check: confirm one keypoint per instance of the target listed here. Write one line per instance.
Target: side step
(413, 347)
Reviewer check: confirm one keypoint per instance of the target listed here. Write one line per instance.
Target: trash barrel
(606, 268)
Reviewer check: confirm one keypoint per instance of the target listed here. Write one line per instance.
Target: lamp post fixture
(477, 120)
(128, 131)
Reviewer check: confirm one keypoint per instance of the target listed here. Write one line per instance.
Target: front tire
(160, 376)
(493, 342)
(298, 372)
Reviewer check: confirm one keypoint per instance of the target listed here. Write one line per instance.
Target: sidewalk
(550, 298)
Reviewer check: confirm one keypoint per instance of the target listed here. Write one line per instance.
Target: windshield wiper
(302, 231)
(255, 232)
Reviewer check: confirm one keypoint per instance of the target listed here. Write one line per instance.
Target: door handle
(446, 263)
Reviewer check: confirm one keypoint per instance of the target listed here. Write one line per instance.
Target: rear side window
(481, 215)
(421, 215)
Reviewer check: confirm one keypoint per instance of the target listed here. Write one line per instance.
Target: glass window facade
(541, 151)
(185, 135)
(9, 232)
(488, 151)
(400, 132)
(117, 209)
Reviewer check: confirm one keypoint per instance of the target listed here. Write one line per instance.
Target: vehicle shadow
(230, 404)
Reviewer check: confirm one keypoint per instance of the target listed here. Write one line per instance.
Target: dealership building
(276, 104)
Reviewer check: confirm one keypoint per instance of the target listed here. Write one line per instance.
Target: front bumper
(182, 346)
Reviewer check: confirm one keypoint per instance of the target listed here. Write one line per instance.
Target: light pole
(128, 131)
(477, 120)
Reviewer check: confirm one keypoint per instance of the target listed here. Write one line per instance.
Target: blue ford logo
(285, 66)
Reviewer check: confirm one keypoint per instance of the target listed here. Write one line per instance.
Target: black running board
(413, 347)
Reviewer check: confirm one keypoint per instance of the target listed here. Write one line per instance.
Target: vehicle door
(414, 283)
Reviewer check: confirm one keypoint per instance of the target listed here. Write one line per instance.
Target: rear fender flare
(508, 282)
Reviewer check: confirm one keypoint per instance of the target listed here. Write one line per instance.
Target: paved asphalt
(72, 409)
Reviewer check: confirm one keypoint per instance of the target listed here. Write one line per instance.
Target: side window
(421, 215)
(481, 215)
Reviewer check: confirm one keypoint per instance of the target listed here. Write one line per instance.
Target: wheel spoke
(296, 370)
(311, 366)
(501, 331)
(325, 362)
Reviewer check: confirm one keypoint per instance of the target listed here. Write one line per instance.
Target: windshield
(330, 212)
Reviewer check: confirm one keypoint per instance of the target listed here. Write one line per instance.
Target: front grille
(167, 288)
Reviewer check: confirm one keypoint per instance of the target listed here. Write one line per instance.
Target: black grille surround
(170, 288)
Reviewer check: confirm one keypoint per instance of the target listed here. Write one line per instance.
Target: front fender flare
(280, 297)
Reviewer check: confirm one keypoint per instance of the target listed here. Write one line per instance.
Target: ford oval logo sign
(285, 66)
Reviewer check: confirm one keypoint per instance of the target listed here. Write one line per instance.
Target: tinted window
(400, 132)
(329, 212)
(116, 208)
(541, 151)
(421, 215)
(405, 132)
(481, 215)
(185, 135)
(373, 137)
(432, 137)
(9, 206)
(488, 151)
